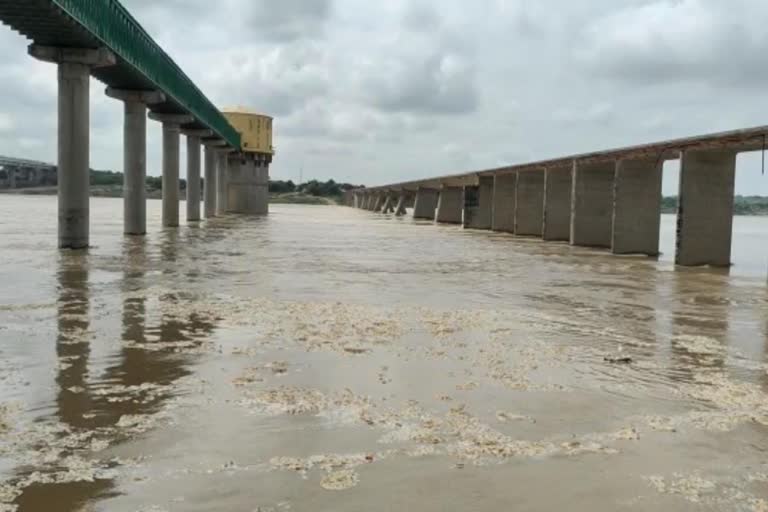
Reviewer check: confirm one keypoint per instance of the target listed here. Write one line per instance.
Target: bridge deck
(750, 139)
(141, 63)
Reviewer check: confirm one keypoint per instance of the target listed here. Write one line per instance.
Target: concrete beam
(478, 204)
(705, 212)
(557, 203)
(218, 143)
(137, 96)
(171, 119)
(529, 213)
(197, 133)
(637, 207)
(504, 192)
(91, 57)
(592, 204)
(426, 203)
(450, 205)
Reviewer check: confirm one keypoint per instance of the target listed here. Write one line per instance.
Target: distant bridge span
(608, 199)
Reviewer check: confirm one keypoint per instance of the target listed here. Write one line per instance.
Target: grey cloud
(440, 83)
(667, 41)
(421, 17)
(288, 20)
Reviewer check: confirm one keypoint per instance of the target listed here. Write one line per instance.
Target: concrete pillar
(426, 203)
(74, 67)
(400, 209)
(557, 203)
(248, 184)
(388, 206)
(705, 212)
(377, 202)
(135, 156)
(504, 191)
(637, 207)
(592, 204)
(193, 172)
(529, 203)
(135, 168)
(478, 204)
(209, 190)
(171, 140)
(222, 171)
(450, 205)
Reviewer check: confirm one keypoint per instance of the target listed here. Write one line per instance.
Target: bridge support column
(209, 190)
(557, 203)
(426, 203)
(135, 156)
(478, 204)
(222, 172)
(637, 207)
(377, 202)
(592, 204)
(193, 172)
(388, 206)
(450, 205)
(504, 192)
(400, 209)
(705, 212)
(529, 213)
(248, 184)
(171, 141)
(73, 137)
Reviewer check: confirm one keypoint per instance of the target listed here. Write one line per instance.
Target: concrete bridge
(609, 199)
(102, 39)
(21, 173)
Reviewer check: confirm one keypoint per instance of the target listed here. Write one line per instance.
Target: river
(327, 358)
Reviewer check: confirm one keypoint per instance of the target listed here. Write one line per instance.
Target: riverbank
(117, 192)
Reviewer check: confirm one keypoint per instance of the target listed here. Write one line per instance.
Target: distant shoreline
(117, 193)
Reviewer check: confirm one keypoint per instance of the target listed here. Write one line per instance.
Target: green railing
(110, 22)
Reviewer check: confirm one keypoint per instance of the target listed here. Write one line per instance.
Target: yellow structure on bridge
(255, 130)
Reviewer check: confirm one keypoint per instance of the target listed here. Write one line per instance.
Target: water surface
(327, 358)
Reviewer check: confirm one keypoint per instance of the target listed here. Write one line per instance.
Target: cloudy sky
(385, 90)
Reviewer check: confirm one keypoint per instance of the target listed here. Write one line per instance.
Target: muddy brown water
(327, 358)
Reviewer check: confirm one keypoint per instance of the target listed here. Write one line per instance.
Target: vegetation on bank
(743, 205)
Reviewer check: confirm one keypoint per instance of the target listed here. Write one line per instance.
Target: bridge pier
(135, 156)
(74, 189)
(389, 204)
(705, 212)
(557, 203)
(478, 204)
(248, 184)
(193, 172)
(400, 209)
(425, 204)
(222, 172)
(171, 140)
(450, 205)
(592, 204)
(529, 213)
(209, 190)
(637, 207)
(504, 200)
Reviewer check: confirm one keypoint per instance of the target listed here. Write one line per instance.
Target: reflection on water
(333, 359)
